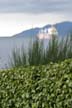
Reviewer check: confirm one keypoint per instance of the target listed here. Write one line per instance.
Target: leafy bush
(18, 57)
(47, 86)
(57, 50)
(36, 52)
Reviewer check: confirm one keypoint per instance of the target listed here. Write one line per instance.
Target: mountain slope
(63, 28)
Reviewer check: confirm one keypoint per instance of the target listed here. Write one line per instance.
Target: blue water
(6, 47)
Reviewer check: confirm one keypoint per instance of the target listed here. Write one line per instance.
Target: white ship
(47, 33)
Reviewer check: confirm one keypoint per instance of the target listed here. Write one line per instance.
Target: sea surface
(7, 45)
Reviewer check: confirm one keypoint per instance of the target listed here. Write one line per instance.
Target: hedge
(46, 86)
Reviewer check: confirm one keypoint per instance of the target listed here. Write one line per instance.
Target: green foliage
(35, 52)
(52, 50)
(18, 57)
(57, 50)
(47, 86)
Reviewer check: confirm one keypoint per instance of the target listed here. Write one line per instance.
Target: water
(6, 47)
(8, 44)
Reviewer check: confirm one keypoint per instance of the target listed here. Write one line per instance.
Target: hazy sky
(19, 15)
